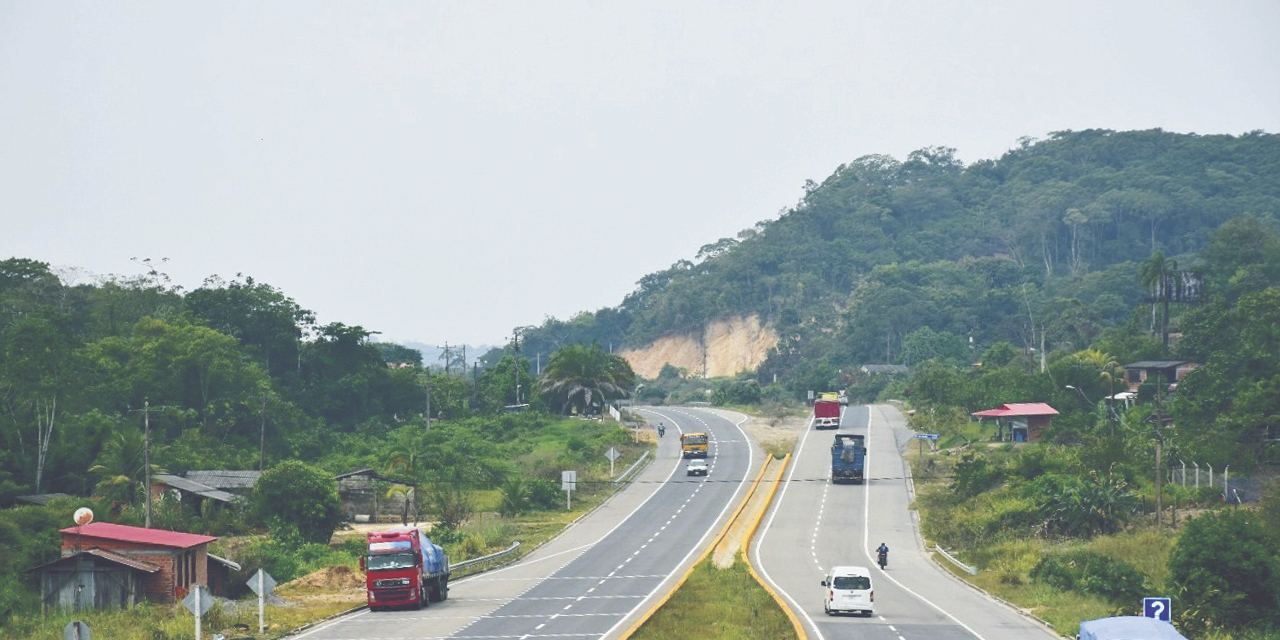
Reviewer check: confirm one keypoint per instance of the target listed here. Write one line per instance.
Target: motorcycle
(883, 560)
(662, 431)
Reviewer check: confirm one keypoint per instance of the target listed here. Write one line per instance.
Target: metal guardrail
(973, 571)
(626, 473)
(476, 565)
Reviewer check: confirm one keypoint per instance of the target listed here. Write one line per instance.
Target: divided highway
(599, 576)
(814, 525)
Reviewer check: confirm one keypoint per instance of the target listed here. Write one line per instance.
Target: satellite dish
(83, 516)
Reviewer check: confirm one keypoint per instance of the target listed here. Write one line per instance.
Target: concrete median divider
(723, 532)
(736, 534)
(751, 532)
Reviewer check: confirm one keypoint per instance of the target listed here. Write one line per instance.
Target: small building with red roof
(157, 565)
(1026, 420)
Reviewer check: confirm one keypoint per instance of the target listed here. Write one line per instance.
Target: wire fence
(1234, 490)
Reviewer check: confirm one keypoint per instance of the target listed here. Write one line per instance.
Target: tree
(34, 374)
(580, 378)
(297, 497)
(1228, 569)
(121, 468)
(265, 321)
(1157, 275)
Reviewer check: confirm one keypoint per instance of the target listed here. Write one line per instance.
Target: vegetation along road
(843, 524)
(605, 569)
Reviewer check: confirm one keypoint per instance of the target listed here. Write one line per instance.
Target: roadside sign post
(931, 437)
(262, 584)
(198, 602)
(568, 482)
(1158, 608)
(76, 630)
(612, 454)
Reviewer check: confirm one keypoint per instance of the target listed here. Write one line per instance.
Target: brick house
(164, 563)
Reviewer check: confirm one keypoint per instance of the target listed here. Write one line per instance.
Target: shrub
(298, 496)
(545, 494)
(1226, 565)
(974, 473)
(1113, 579)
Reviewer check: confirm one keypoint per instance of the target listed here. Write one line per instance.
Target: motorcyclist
(662, 430)
(882, 554)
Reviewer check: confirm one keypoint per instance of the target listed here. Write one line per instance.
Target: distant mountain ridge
(896, 261)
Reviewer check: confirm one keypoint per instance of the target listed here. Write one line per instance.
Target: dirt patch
(779, 433)
(335, 578)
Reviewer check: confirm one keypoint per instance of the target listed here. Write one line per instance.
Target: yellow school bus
(694, 444)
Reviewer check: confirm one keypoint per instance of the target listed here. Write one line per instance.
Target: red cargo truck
(404, 568)
(826, 414)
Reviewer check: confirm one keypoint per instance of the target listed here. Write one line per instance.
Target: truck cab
(404, 568)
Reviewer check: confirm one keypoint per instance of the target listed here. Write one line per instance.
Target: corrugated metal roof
(125, 533)
(225, 479)
(1157, 364)
(234, 566)
(178, 482)
(109, 556)
(1014, 409)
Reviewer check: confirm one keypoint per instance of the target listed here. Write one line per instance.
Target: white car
(696, 467)
(848, 590)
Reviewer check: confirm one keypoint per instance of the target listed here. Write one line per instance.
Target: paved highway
(594, 580)
(814, 525)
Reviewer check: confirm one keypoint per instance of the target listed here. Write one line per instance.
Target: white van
(849, 590)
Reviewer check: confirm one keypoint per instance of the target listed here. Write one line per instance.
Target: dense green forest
(886, 261)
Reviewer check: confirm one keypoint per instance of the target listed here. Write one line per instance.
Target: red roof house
(171, 561)
(1026, 420)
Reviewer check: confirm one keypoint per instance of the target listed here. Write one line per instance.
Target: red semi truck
(404, 568)
(826, 414)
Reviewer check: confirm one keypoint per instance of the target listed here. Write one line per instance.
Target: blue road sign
(926, 436)
(1158, 608)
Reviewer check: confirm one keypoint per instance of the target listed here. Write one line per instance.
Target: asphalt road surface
(604, 571)
(814, 525)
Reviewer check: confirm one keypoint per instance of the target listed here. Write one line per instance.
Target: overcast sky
(446, 171)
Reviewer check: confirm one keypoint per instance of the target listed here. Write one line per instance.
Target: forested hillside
(890, 261)
(233, 375)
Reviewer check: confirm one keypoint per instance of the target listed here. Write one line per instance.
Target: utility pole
(1159, 419)
(516, 338)
(262, 435)
(146, 455)
(426, 382)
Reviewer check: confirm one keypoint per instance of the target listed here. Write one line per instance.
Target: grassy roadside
(1007, 564)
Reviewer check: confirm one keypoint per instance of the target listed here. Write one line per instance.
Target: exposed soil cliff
(724, 348)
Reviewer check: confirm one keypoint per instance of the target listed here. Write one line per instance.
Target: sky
(447, 171)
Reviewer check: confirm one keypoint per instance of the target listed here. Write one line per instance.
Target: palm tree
(1108, 369)
(412, 455)
(581, 378)
(120, 465)
(1158, 274)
